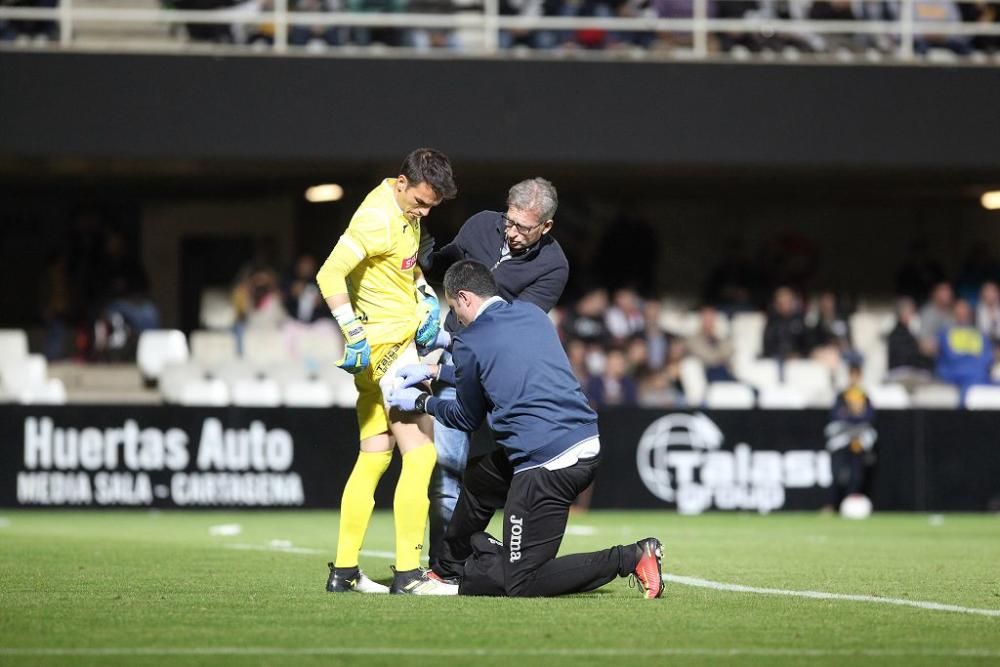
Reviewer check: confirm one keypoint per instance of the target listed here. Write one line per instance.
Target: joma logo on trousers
(516, 528)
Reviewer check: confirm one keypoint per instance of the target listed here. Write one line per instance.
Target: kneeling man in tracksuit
(510, 364)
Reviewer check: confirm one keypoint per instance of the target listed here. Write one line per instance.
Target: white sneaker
(366, 585)
(420, 582)
(347, 580)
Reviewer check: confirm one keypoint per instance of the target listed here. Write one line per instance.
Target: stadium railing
(900, 34)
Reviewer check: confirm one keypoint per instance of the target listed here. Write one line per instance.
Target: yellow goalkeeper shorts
(376, 381)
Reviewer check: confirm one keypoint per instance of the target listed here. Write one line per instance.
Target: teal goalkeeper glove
(428, 330)
(357, 352)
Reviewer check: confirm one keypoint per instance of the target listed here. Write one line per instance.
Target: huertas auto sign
(133, 465)
(681, 459)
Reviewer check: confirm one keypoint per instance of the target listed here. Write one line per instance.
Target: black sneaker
(649, 570)
(351, 579)
(420, 582)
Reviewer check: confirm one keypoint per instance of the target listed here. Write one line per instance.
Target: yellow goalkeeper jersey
(381, 286)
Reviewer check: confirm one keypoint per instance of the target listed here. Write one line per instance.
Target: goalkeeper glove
(357, 352)
(428, 330)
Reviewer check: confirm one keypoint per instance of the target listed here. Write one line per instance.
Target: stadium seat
(870, 328)
(781, 397)
(13, 345)
(321, 345)
(936, 396)
(24, 374)
(341, 383)
(232, 371)
(889, 397)
(308, 394)
(287, 372)
(747, 332)
(682, 323)
(256, 393)
(217, 309)
(159, 347)
(729, 396)
(693, 380)
(760, 373)
(983, 397)
(264, 346)
(811, 379)
(175, 377)
(212, 393)
(50, 392)
(213, 348)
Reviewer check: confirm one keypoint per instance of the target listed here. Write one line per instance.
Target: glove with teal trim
(357, 351)
(428, 330)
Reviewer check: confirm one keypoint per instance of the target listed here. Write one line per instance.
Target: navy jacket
(510, 365)
(538, 275)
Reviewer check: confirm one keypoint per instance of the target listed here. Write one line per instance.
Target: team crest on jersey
(409, 263)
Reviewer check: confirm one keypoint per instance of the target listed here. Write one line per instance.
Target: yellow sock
(410, 505)
(357, 504)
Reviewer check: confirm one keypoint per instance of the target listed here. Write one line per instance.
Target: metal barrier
(489, 24)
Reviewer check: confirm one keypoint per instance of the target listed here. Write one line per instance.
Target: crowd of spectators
(623, 355)
(926, 14)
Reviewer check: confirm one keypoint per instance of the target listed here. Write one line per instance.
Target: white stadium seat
(211, 393)
(175, 377)
(693, 380)
(287, 372)
(262, 393)
(308, 394)
(811, 379)
(264, 346)
(889, 397)
(341, 383)
(936, 396)
(747, 333)
(729, 396)
(683, 323)
(213, 348)
(983, 397)
(25, 373)
(321, 345)
(50, 392)
(232, 371)
(159, 347)
(13, 345)
(782, 397)
(760, 373)
(217, 309)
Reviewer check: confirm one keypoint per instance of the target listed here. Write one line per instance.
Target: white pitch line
(378, 554)
(819, 595)
(491, 652)
(284, 550)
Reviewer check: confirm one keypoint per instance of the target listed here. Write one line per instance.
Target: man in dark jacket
(528, 264)
(510, 366)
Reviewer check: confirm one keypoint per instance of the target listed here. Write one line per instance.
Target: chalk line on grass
(413, 651)
(820, 595)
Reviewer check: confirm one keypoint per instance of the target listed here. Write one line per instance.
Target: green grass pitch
(152, 588)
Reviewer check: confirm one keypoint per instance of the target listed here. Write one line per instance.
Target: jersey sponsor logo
(388, 360)
(516, 528)
(409, 263)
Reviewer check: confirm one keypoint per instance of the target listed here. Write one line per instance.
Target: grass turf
(159, 582)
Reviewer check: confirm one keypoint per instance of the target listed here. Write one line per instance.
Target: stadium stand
(729, 396)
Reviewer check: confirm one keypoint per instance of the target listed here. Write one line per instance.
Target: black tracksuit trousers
(536, 506)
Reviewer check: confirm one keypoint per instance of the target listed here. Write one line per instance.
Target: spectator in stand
(714, 351)
(988, 312)
(124, 285)
(834, 10)
(315, 36)
(965, 356)
(908, 365)
(614, 387)
(258, 300)
(927, 13)
(657, 343)
(829, 332)
(586, 319)
(300, 294)
(986, 13)
(624, 318)
(936, 316)
(919, 273)
(535, 39)
(576, 352)
(785, 335)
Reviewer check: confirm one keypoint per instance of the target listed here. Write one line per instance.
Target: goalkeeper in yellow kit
(384, 307)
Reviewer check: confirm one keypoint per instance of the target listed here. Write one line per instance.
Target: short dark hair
(469, 276)
(426, 165)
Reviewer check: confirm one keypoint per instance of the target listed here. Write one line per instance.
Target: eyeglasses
(522, 228)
